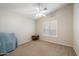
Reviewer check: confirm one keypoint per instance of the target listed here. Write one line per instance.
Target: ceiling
(29, 9)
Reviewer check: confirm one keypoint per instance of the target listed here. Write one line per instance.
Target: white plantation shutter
(50, 28)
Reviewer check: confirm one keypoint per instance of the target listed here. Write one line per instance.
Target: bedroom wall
(22, 26)
(64, 17)
(76, 28)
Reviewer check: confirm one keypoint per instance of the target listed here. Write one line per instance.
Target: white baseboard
(58, 43)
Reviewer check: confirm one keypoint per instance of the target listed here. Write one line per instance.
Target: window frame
(44, 27)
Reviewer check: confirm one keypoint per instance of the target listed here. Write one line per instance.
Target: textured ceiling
(29, 9)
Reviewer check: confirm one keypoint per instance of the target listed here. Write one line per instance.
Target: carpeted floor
(42, 48)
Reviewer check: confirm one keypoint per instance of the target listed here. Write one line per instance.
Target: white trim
(56, 29)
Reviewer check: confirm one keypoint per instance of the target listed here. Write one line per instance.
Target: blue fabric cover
(8, 42)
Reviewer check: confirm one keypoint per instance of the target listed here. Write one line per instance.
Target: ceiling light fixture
(40, 12)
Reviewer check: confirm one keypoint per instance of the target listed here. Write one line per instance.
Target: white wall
(18, 24)
(64, 17)
(76, 28)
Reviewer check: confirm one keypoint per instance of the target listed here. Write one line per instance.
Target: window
(50, 28)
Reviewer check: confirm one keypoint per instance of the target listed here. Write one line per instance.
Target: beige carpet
(42, 48)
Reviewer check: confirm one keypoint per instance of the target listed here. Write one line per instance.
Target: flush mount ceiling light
(40, 12)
